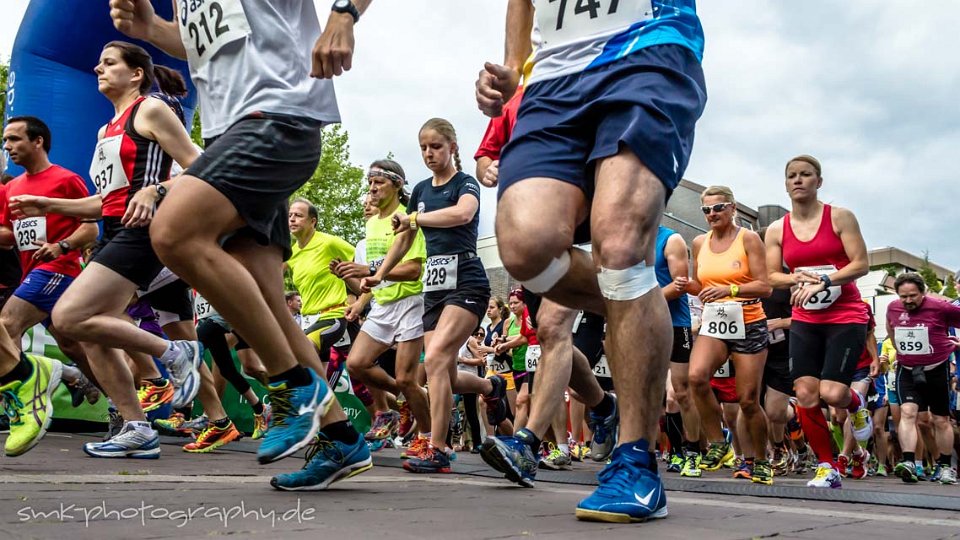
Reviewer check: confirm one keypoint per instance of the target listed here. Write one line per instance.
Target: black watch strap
(64, 246)
(346, 6)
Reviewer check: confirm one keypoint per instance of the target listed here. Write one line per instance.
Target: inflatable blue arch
(51, 75)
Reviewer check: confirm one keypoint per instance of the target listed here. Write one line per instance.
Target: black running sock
(341, 431)
(159, 381)
(257, 407)
(20, 372)
(945, 460)
(294, 377)
(605, 407)
(222, 423)
(530, 439)
(675, 432)
(691, 446)
(910, 456)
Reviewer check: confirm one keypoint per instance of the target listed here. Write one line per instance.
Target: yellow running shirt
(379, 239)
(321, 292)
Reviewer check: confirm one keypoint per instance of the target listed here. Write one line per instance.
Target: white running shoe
(130, 442)
(827, 477)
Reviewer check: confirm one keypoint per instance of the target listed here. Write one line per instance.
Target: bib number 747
(563, 21)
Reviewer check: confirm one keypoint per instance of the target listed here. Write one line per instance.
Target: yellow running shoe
(27, 404)
(719, 454)
(261, 422)
(153, 396)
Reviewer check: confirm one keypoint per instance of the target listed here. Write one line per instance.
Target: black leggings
(472, 411)
(213, 337)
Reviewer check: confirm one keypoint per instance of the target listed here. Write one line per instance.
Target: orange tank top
(732, 267)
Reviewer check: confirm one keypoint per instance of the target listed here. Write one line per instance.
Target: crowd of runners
(621, 344)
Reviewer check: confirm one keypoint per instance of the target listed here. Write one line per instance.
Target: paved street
(57, 491)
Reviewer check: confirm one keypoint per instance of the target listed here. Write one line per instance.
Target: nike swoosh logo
(469, 301)
(645, 500)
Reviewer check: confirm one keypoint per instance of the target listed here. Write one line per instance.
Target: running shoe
(79, 386)
(186, 392)
(407, 420)
(431, 460)
(377, 445)
(629, 489)
(781, 460)
(742, 469)
(212, 438)
(918, 467)
(718, 454)
(882, 470)
(129, 443)
(907, 471)
(296, 417)
(512, 457)
(762, 472)
(576, 452)
(826, 477)
(384, 424)
(858, 464)
(261, 422)
(497, 405)
(605, 430)
(153, 396)
(114, 424)
(327, 461)
(843, 465)
(691, 465)
(417, 446)
(934, 475)
(948, 475)
(676, 463)
(171, 426)
(27, 404)
(186, 362)
(862, 422)
(557, 460)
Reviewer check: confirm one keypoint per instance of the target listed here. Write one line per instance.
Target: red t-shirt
(499, 129)
(865, 358)
(54, 182)
(527, 330)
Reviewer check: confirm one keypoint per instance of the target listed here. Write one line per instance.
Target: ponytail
(456, 160)
(169, 81)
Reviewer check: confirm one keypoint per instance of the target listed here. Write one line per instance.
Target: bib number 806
(722, 327)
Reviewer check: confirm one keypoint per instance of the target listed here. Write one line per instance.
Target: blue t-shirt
(679, 308)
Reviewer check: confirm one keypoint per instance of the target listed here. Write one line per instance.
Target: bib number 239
(207, 25)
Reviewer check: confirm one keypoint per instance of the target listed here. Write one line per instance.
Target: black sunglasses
(719, 207)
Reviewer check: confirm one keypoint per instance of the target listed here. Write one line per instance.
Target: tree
(950, 291)
(337, 188)
(195, 131)
(4, 73)
(928, 275)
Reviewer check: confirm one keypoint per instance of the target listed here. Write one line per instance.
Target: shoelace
(617, 477)
(281, 406)
(716, 452)
(329, 449)
(11, 404)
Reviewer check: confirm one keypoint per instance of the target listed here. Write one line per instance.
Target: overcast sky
(868, 87)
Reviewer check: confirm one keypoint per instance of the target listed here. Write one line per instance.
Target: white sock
(170, 354)
(565, 448)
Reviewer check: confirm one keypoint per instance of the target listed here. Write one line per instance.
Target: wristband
(413, 220)
(734, 291)
(825, 279)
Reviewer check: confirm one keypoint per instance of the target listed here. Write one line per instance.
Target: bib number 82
(584, 6)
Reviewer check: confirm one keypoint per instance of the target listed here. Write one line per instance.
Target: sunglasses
(719, 207)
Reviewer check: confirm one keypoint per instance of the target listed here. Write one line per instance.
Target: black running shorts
(828, 352)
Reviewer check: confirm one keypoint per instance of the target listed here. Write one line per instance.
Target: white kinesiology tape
(627, 284)
(550, 276)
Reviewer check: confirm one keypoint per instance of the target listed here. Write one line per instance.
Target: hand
(333, 267)
(491, 175)
(352, 270)
(141, 208)
(680, 283)
(133, 17)
(803, 278)
(367, 284)
(333, 52)
(875, 368)
(712, 294)
(47, 252)
(24, 206)
(401, 223)
(495, 86)
(354, 310)
(955, 340)
(773, 324)
(802, 294)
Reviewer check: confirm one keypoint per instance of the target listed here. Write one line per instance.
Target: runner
(447, 208)
(778, 384)
(919, 326)
(730, 277)
(825, 253)
(262, 127)
(516, 343)
(854, 456)
(621, 164)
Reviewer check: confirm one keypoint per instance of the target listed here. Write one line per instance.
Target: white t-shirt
(264, 70)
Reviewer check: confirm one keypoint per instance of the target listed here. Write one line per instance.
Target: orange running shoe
(153, 396)
(417, 447)
(213, 437)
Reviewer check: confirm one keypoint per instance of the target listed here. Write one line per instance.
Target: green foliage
(4, 73)
(891, 268)
(928, 275)
(337, 188)
(195, 132)
(950, 291)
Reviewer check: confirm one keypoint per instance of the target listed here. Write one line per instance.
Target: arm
(872, 351)
(445, 218)
(777, 278)
(756, 257)
(675, 252)
(355, 309)
(496, 84)
(488, 171)
(853, 245)
(85, 233)
(137, 19)
(401, 244)
(693, 285)
(333, 51)
(30, 206)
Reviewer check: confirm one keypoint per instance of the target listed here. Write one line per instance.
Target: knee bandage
(550, 276)
(627, 284)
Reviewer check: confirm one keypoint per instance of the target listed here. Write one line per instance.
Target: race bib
(377, 263)
(202, 308)
(566, 21)
(826, 297)
(911, 341)
(106, 170)
(207, 25)
(778, 335)
(441, 273)
(533, 358)
(723, 320)
(344, 341)
(30, 230)
(306, 321)
(602, 369)
(723, 372)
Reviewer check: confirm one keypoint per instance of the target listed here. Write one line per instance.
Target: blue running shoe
(605, 429)
(327, 462)
(629, 490)
(296, 417)
(129, 443)
(512, 457)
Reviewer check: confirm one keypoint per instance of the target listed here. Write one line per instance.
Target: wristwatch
(825, 279)
(161, 192)
(373, 269)
(64, 246)
(346, 6)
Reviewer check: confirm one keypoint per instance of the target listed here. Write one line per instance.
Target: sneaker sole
(56, 371)
(322, 409)
(344, 473)
(153, 453)
(612, 517)
(412, 468)
(492, 456)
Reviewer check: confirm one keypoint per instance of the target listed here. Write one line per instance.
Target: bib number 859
(911, 346)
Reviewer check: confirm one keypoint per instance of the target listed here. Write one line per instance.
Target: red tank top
(125, 161)
(838, 304)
